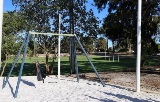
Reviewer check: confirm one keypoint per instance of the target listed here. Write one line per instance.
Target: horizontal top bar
(52, 34)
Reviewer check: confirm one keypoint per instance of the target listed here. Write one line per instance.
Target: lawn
(84, 66)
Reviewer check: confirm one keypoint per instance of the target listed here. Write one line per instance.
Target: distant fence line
(79, 53)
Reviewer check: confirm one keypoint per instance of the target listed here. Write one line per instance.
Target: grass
(84, 66)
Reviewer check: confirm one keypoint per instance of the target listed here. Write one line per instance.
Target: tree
(102, 44)
(42, 16)
(121, 22)
(12, 25)
(65, 45)
(156, 20)
(88, 45)
(102, 31)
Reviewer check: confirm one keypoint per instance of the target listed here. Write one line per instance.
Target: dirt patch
(149, 82)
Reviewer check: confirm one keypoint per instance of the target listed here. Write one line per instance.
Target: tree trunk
(44, 49)
(53, 60)
(129, 45)
(107, 46)
(113, 46)
(72, 41)
(130, 48)
(4, 65)
(47, 65)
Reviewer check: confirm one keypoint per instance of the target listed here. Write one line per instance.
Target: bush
(123, 50)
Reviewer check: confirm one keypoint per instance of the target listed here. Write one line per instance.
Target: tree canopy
(12, 26)
(42, 16)
(121, 22)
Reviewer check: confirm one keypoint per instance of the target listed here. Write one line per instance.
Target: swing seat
(40, 74)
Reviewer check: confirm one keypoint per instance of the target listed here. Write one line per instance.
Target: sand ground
(67, 89)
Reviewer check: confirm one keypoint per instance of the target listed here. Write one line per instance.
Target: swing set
(25, 45)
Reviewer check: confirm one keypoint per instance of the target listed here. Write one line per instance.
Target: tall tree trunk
(129, 45)
(53, 60)
(113, 47)
(107, 46)
(72, 41)
(44, 46)
(47, 65)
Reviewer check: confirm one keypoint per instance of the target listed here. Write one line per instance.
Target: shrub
(123, 50)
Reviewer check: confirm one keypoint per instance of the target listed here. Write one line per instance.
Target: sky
(9, 7)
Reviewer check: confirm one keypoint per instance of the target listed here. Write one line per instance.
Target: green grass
(84, 66)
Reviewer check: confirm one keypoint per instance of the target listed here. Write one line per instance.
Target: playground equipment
(25, 45)
(40, 74)
(138, 40)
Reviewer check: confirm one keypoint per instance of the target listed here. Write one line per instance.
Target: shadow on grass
(28, 69)
(84, 67)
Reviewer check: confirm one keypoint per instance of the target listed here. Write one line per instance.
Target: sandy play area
(67, 89)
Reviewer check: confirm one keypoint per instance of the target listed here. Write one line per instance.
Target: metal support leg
(70, 57)
(76, 64)
(90, 62)
(15, 61)
(21, 69)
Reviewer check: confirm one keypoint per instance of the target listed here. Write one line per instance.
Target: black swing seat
(40, 74)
